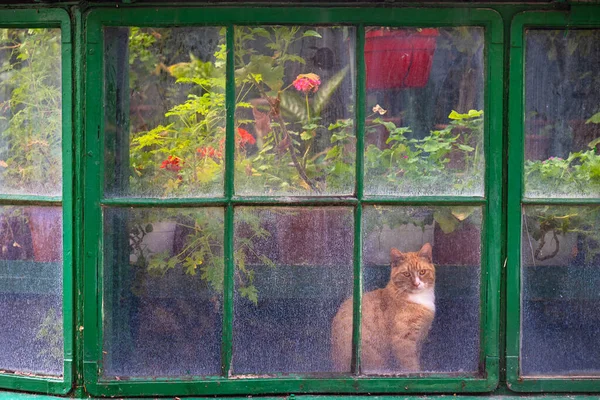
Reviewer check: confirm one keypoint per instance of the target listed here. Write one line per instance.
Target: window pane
(562, 113)
(295, 110)
(164, 111)
(293, 270)
(30, 112)
(163, 285)
(31, 332)
(560, 314)
(435, 310)
(424, 124)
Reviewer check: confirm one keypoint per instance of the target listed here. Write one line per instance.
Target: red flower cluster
(171, 164)
(209, 151)
(307, 82)
(244, 138)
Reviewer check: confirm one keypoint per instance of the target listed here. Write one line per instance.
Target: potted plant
(399, 58)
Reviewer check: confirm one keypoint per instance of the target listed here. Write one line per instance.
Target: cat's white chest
(426, 298)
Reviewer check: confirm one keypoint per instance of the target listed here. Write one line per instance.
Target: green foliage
(424, 163)
(31, 112)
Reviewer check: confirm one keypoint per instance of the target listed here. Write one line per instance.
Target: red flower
(307, 82)
(171, 164)
(245, 137)
(209, 151)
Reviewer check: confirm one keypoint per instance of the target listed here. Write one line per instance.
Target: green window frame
(53, 18)
(577, 17)
(491, 202)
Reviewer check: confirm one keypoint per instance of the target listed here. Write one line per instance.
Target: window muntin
(233, 201)
(424, 111)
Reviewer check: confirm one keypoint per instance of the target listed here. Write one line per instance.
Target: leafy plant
(30, 114)
(425, 163)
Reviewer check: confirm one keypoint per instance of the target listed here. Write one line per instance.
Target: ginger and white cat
(395, 319)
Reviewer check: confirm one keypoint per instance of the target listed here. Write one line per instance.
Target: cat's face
(413, 272)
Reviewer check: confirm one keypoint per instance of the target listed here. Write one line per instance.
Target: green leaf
(306, 135)
(327, 89)
(594, 119)
(446, 220)
(464, 147)
(311, 33)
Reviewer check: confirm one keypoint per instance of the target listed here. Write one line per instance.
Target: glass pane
(164, 111)
(31, 332)
(560, 310)
(562, 113)
(163, 285)
(429, 320)
(293, 270)
(295, 110)
(425, 99)
(30, 112)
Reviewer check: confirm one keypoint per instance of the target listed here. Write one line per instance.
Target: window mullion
(228, 284)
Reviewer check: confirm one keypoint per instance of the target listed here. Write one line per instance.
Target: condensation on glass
(562, 113)
(560, 300)
(294, 119)
(164, 120)
(452, 344)
(162, 292)
(425, 111)
(293, 269)
(31, 332)
(30, 112)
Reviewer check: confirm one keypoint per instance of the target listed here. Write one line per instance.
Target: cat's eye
(407, 274)
(422, 272)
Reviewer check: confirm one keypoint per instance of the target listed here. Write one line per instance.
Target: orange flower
(209, 151)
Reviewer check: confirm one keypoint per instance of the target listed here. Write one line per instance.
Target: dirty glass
(31, 332)
(293, 269)
(163, 284)
(294, 119)
(425, 111)
(164, 117)
(30, 112)
(448, 289)
(562, 113)
(560, 300)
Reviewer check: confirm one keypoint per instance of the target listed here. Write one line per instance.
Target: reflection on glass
(421, 315)
(30, 112)
(293, 270)
(560, 299)
(562, 113)
(31, 332)
(295, 110)
(163, 285)
(164, 111)
(424, 126)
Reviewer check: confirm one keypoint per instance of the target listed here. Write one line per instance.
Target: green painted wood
(583, 16)
(486, 381)
(48, 18)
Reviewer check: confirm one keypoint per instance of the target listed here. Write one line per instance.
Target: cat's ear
(396, 256)
(425, 252)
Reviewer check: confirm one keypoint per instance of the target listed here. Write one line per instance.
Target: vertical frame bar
(228, 283)
(359, 178)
